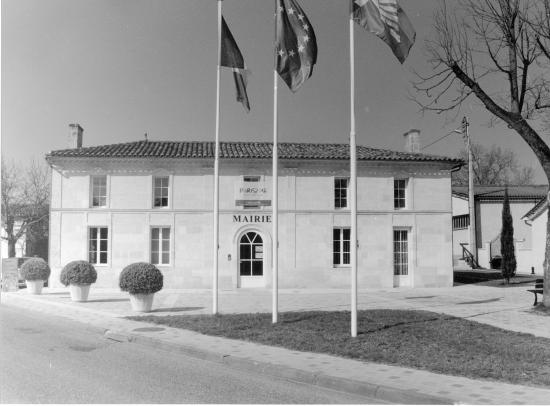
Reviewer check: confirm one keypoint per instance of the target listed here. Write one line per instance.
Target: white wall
(460, 206)
(306, 220)
(538, 238)
(490, 220)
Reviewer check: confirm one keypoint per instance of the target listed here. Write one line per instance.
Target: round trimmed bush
(140, 277)
(35, 269)
(78, 273)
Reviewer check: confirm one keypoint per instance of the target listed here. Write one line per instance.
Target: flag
(388, 21)
(231, 57)
(295, 44)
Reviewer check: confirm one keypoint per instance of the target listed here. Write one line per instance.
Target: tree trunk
(546, 265)
(11, 247)
(542, 152)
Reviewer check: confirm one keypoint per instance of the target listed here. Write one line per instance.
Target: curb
(361, 388)
(382, 392)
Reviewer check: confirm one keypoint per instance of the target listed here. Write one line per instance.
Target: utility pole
(471, 202)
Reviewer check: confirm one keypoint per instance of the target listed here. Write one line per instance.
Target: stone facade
(307, 217)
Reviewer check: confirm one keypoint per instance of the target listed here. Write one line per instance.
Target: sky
(123, 68)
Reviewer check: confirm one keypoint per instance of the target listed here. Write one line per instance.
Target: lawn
(415, 339)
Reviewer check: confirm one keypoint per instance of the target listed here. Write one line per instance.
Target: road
(47, 359)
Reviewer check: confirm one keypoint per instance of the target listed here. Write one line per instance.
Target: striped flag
(296, 45)
(231, 57)
(388, 21)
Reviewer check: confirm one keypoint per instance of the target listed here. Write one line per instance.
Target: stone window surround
(161, 188)
(401, 202)
(340, 249)
(399, 254)
(159, 251)
(93, 191)
(343, 202)
(98, 240)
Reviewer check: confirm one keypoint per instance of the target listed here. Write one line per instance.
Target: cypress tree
(507, 240)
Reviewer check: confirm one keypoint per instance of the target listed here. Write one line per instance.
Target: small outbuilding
(488, 214)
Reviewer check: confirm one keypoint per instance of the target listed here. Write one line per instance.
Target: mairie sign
(252, 193)
(251, 218)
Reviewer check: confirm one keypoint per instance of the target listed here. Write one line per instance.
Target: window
(400, 193)
(400, 252)
(160, 191)
(99, 191)
(251, 255)
(461, 222)
(98, 245)
(341, 246)
(160, 245)
(341, 192)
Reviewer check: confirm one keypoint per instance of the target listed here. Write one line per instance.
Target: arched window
(251, 255)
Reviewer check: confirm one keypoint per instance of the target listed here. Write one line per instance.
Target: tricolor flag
(295, 44)
(231, 57)
(388, 21)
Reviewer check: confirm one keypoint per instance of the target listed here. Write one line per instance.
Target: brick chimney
(412, 140)
(75, 136)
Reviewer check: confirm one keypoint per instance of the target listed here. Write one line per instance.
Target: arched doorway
(251, 260)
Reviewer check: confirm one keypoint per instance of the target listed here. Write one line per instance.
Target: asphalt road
(45, 359)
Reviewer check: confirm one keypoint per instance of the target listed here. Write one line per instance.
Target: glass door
(251, 260)
(401, 274)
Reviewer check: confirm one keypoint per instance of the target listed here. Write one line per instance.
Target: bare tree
(25, 200)
(494, 166)
(539, 20)
(480, 44)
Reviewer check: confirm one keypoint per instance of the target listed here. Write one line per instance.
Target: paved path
(509, 308)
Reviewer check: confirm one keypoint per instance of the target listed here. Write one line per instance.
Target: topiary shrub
(78, 273)
(35, 269)
(140, 277)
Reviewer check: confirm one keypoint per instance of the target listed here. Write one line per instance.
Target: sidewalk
(503, 307)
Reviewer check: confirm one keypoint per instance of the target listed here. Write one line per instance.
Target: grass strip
(408, 338)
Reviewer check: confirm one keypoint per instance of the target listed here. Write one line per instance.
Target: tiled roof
(236, 150)
(497, 192)
(537, 209)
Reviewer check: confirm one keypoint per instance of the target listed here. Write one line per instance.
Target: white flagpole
(275, 196)
(215, 245)
(353, 177)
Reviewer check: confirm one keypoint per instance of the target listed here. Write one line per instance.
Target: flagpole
(275, 196)
(215, 245)
(353, 177)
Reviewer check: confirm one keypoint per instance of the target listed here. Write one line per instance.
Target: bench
(538, 289)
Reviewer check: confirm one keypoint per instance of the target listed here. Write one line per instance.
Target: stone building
(153, 201)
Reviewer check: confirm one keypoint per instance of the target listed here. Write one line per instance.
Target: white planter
(35, 287)
(79, 293)
(141, 302)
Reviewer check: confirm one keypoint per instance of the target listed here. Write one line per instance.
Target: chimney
(75, 136)
(412, 140)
